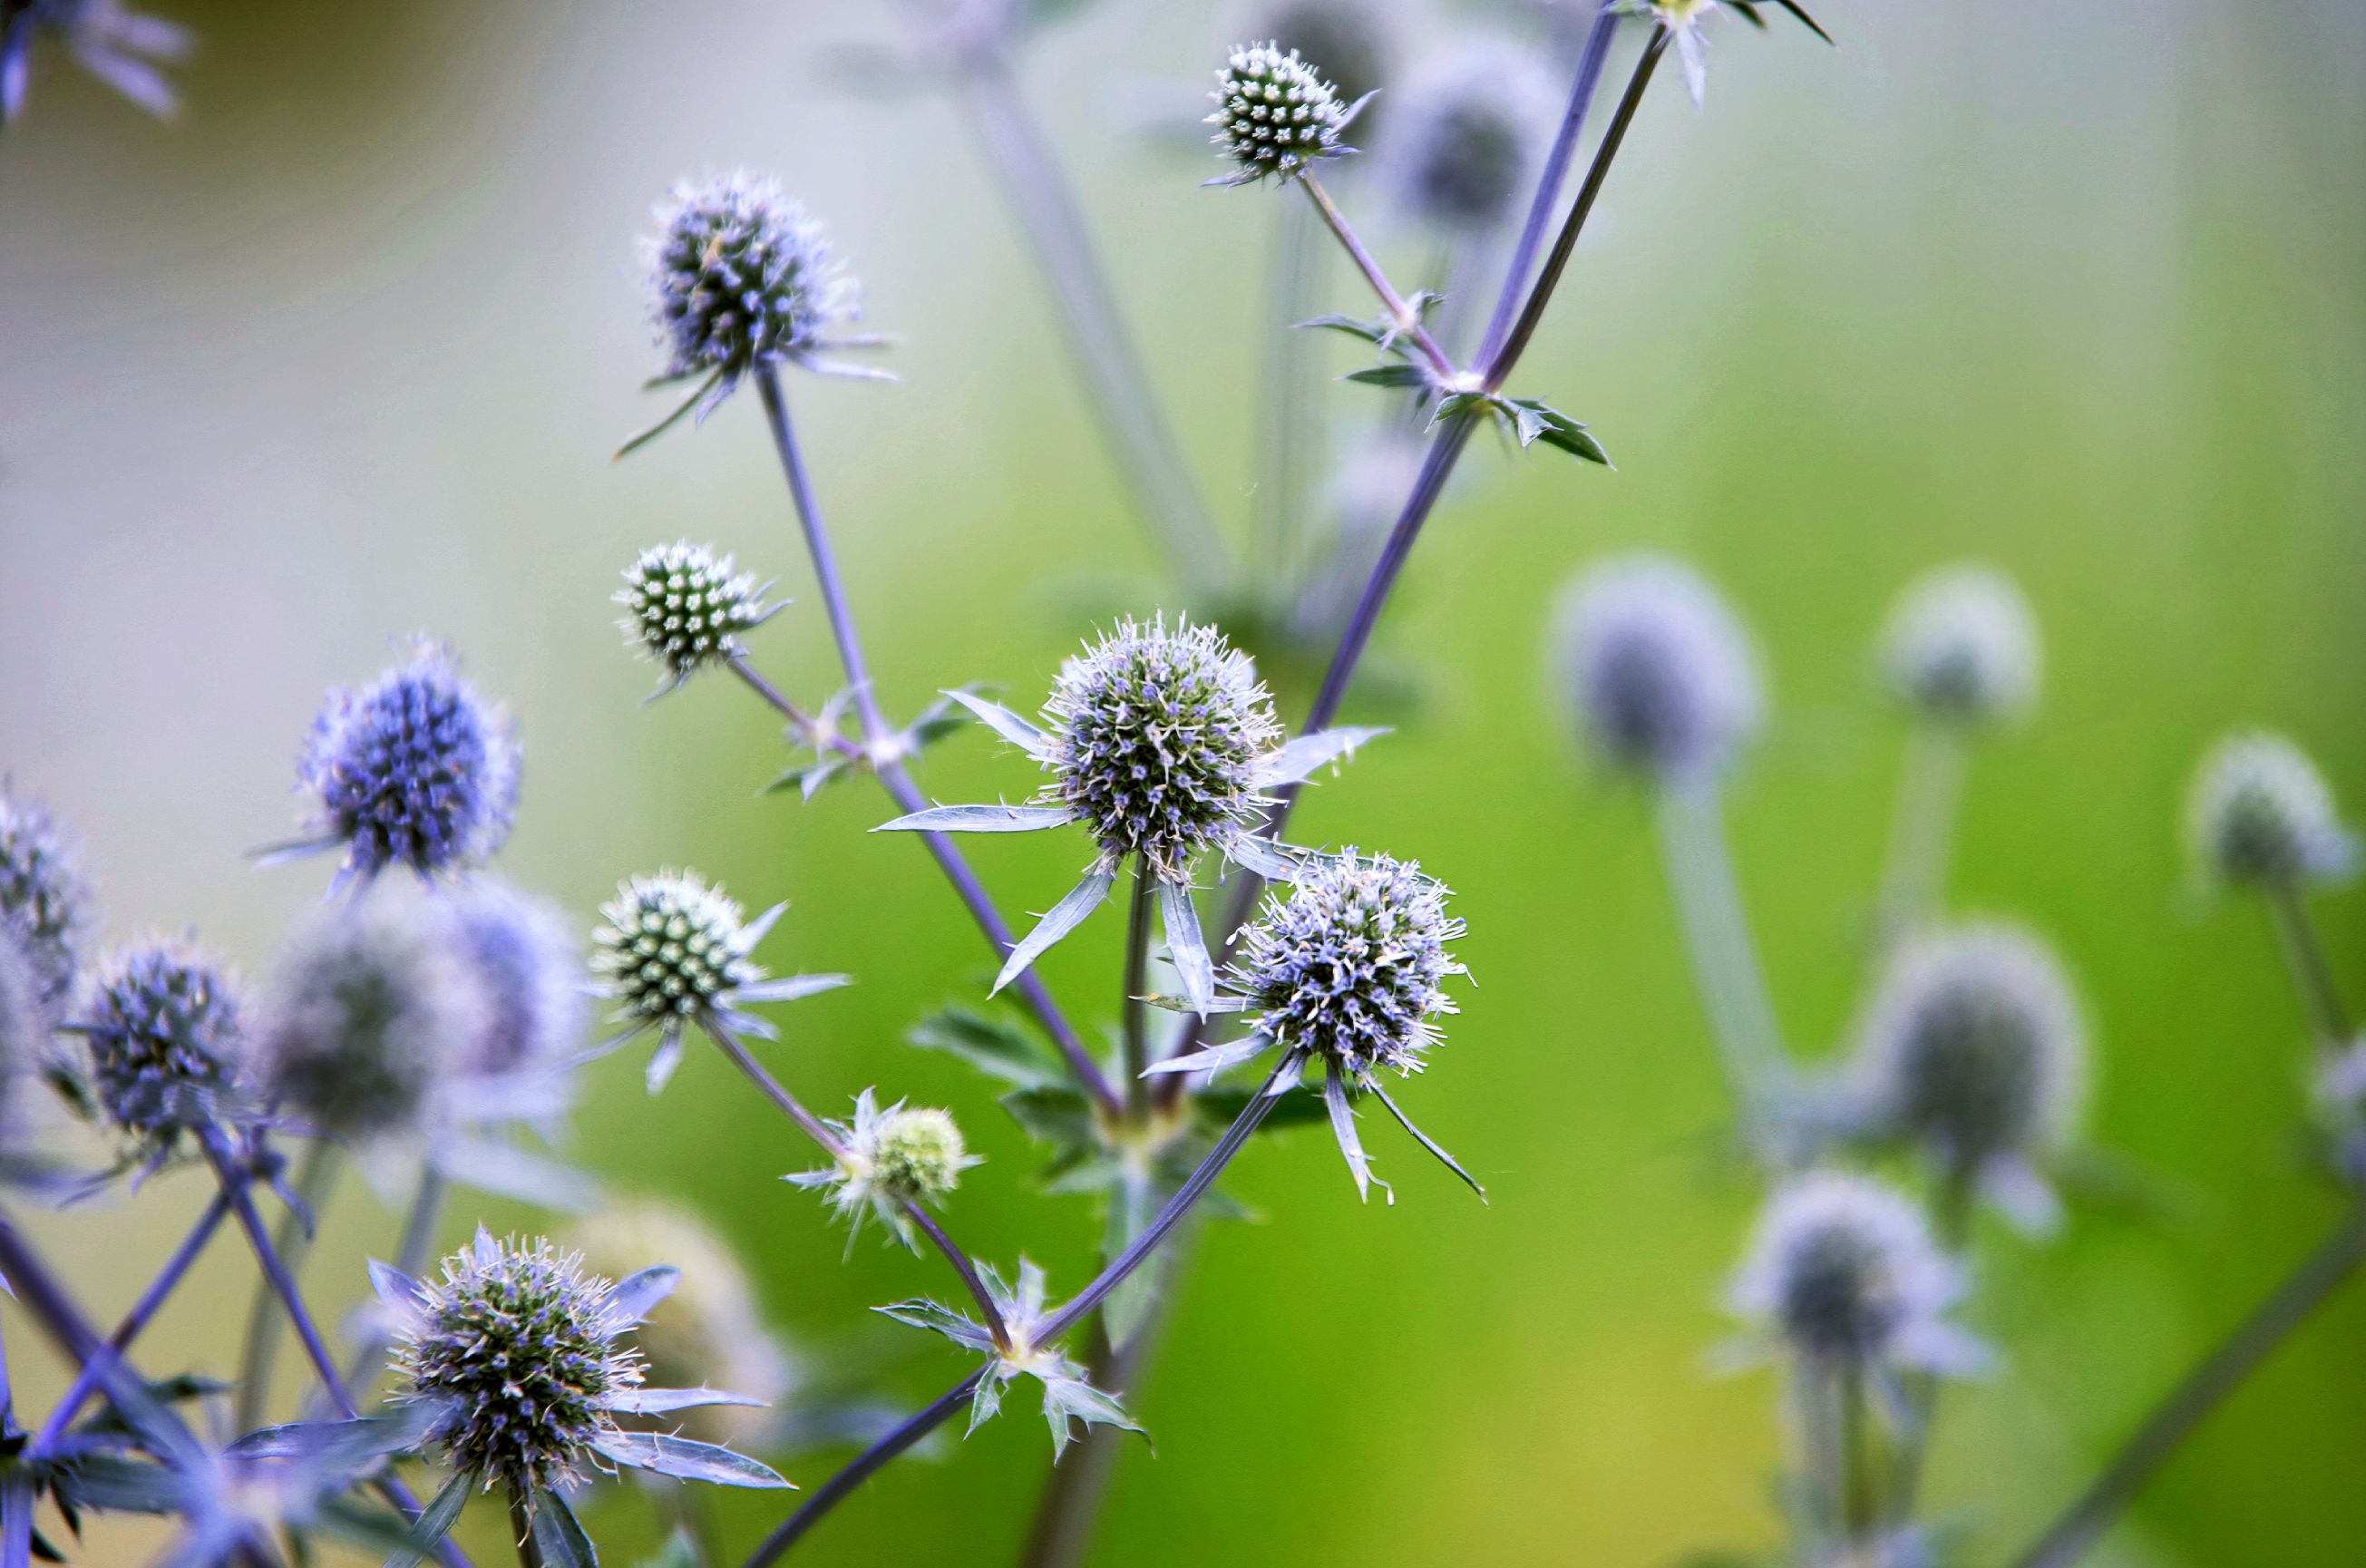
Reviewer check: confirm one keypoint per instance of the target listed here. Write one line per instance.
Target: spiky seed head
(43, 899)
(918, 1153)
(1349, 37)
(525, 960)
(1157, 734)
(1661, 672)
(1973, 1047)
(1465, 145)
(1352, 963)
(2261, 816)
(669, 946)
(710, 1332)
(741, 276)
(166, 1043)
(414, 769)
(685, 607)
(1845, 1271)
(1274, 114)
(370, 1010)
(1961, 648)
(514, 1344)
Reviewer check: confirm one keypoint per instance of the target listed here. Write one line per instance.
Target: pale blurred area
(342, 352)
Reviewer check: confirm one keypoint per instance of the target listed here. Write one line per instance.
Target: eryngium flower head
(1972, 1050)
(370, 1012)
(1464, 147)
(1274, 114)
(414, 769)
(1661, 672)
(1843, 1273)
(889, 1158)
(43, 900)
(2261, 816)
(1347, 36)
(1962, 648)
(741, 276)
(525, 960)
(123, 49)
(515, 1348)
(685, 607)
(1157, 737)
(1351, 965)
(165, 1045)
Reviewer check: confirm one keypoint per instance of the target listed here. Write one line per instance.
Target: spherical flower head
(890, 1157)
(1465, 146)
(1274, 114)
(515, 1347)
(166, 1043)
(1972, 1049)
(669, 947)
(1843, 1272)
(1349, 37)
(740, 277)
(44, 901)
(524, 961)
(1661, 674)
(685, 607)
(371, 1009)
(1157, 734)
(2261, 817)
(1962, 648)
(1351, 965)
(414, 769)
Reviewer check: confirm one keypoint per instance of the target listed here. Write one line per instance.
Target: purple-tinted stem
(864, 1465)
(1556, 173)
(1403, 316)
(150, 1302)
(412, 1256)
(825, 563)
(275, 1269)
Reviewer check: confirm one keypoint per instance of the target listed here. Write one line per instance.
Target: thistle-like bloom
(166, 1046)
(1974, 1053)
(1465, 145)
(685, 608)
(1962, 648)
(1069, 1399)
(673, 953)
(525, 960)
(511, 1362)
(414, 769)
(124, 49)
(1275, 115)
(1661, 674)
(1683, 20)
(1160, 743)
(1844, 1274)
(1347, 969)
(890, 1158)
(44, 901)
(2261, 817)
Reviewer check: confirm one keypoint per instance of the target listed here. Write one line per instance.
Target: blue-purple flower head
(124, 49)
(685, 607)
(1464, 147)
(525, 960)
(2261, 816)
(1844, 1274)
(415, 769)
(889, 1156)
(741, 276)
(45, 905)
(1961, 648)
(1972, 1052)
(1660, 674)
(1275, 115)
(166, 1045)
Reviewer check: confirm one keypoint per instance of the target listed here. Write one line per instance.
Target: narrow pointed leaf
(1809, 22)
(1407, 376)
(789, 987)
(688, 1461)
(663, 1063)
(1351, 1145)
(1448, 1160)
(560, 1535)
(1371, 332)
(435, 1521)
(634, 1298)
(1007, 724)
(1208, 1058)
(1296, 761)
(1186, 948)
(1064, 917)
(660, 1401)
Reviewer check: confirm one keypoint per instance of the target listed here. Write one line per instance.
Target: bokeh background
(2078, 289)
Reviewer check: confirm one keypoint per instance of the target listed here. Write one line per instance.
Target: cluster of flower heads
(889, 1158)
(1276, 115)
(685, 608)
(126, 49)
(1660, 671)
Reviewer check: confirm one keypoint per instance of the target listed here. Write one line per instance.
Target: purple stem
(1403, 316)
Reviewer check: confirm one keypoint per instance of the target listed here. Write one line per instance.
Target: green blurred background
(2080, 289)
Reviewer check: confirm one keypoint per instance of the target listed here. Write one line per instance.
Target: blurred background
(343, 351)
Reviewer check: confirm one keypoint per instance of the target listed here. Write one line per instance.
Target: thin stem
(1402, 316)
(1556, 172)
(875, 733)
(275, 1270)
(1137, 982)
(864, 1465)
(529, 1550)
(314, 1173)
(1921, 832)
(1860, 1498)
(2320, 993)
(813, 1127)
(1132, 422)
(1516, 342)
(1288, 422)
(2201, 1392)
(413, 1252)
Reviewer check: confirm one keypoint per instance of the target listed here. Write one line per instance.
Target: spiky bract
(890, 1157)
